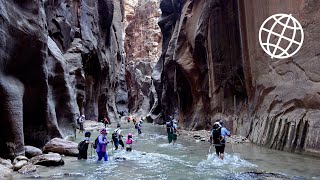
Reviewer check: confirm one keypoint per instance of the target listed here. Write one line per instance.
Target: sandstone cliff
(143, 47)
(212, 66)
(58, 59)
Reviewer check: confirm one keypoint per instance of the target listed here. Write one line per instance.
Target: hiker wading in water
(218, 138)
(172, 130)
(102, 145)
(117, 137)
(83, 146)
(80, 122)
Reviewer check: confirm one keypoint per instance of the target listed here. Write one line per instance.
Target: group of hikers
(101, 142)
(217, 138)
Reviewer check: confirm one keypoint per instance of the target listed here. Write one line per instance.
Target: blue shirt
(224, 133)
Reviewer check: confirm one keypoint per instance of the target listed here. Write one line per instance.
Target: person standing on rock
(106, 121)
(80, 122)
(83, 146)
(117, 137)
(102, 145)
(218, 138)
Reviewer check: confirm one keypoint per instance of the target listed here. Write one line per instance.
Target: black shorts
(220, 149)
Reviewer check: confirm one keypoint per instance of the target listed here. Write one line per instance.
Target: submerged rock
(61, 146)
(31, 151)
(28, 169)
(52, 159)
(5, 173)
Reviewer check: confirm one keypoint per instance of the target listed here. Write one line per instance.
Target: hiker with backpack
(138, 126)
(83, 146)
(80, 122)
(117, 137)
(100, 145)
(172, 130)
(218, 138)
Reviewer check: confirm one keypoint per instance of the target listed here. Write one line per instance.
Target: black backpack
(216, 134)
(114, 134)
(95, 145)
(169, 127)
(82, 145)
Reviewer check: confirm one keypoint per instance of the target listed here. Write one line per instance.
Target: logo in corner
(281, 36)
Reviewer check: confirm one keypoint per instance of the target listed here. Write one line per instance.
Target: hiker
(139, 127)
(171, 128)
(134, 121)
(106, 121)
(117, 137)
(80, 122)
(218, 138)
(83, 146)
(101, 145)
(128, 119)
(129, 142)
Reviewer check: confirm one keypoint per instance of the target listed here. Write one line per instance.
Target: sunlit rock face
(212, 66)
(59, 59)
(143, 48)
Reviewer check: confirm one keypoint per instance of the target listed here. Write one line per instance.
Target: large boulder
(52, 159)
(19, 165)
(61, 146)
(28, 169)
(31, 151)
(6, 163)
(5, 173)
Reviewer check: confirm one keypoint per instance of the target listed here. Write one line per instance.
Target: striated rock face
(142, 33)
(143, 47)
(140, 87)
(58, 59)
(212, 67)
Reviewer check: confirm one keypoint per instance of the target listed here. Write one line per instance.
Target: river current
(153, 158)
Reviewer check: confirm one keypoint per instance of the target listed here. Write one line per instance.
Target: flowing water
(154, 158)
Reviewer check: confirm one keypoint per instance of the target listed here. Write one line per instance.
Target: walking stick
(91, 150)
(210, 146)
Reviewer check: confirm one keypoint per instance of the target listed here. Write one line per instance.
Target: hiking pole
(91, 150)
(210, 146)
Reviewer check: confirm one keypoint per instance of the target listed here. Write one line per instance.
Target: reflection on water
(153, 158)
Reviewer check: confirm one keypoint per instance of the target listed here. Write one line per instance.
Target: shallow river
(154, 158)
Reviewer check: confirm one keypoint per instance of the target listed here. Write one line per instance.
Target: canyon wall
(58, 59)
(143, 48)
(212, 67)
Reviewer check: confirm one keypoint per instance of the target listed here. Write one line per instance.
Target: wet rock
(28, 169)
(51, 159)
(263, 176)
(19, 165)
(6, 163)
(120, 159)
(61, 146)
(75, 174)
(5, 173)
(31, 151)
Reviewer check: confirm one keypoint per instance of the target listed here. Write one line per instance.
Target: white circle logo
(281, 36)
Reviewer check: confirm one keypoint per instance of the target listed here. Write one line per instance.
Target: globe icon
(281, 36)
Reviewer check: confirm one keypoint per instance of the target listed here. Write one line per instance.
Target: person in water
(105, 121)
(102, 145)
(219, 138)
(139, 127)
(129, 142)
(117, 137)
(134, 121)
(172, 130)
(128, 119)
(83, 146)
